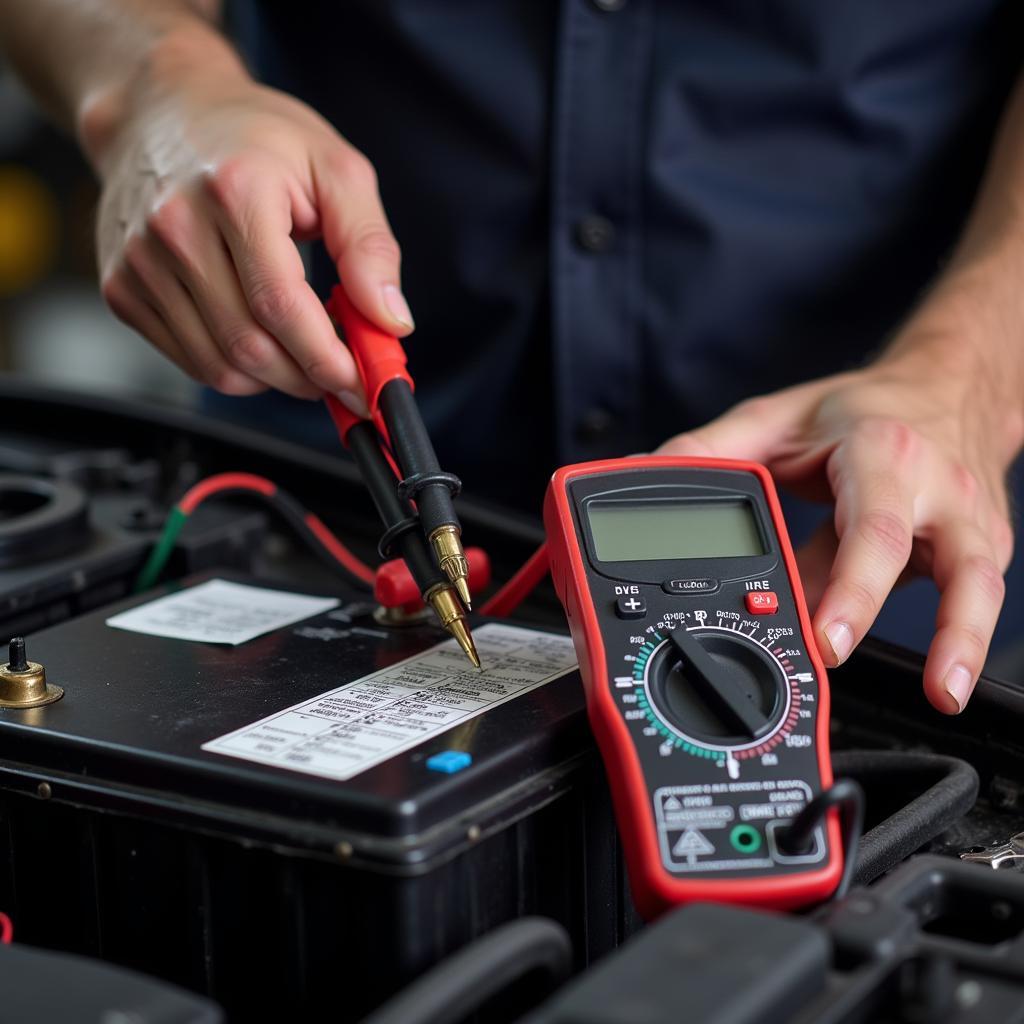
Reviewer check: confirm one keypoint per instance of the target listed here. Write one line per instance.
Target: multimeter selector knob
(716, 688)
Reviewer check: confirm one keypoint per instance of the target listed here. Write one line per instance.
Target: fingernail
(354, 402)
(840, 639)
(397, 306)
(959, 683)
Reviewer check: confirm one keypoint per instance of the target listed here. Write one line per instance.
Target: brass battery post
(23, 683)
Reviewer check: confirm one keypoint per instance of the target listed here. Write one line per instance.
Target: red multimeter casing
(640, 547)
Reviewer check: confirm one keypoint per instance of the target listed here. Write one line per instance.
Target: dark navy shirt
(620, 217)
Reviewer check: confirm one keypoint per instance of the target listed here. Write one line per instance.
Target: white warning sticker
(345, 731)
(220, 612)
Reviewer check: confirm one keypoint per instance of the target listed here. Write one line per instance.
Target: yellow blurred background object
(29, 229)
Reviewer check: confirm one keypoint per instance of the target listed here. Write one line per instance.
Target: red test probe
(403, 533)
(381, 362)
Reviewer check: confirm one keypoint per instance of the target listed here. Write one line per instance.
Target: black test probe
(403, 536)
(415, 497)
(381, 361)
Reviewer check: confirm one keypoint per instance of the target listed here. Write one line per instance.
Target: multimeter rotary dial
(713, 691)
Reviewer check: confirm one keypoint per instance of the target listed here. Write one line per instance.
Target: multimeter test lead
(381, 362)
(402, 532)
(434, 489)
(393, 451)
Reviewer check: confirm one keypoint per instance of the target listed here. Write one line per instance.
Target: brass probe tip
(462, 586)
(445, 602)
(462, 635)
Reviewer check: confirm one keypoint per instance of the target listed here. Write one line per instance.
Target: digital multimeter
(704, 687)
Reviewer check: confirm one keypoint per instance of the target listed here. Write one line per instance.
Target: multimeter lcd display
(667, 530)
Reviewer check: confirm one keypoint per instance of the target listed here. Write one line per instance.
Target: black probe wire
(402, 531)
(462, 983)
(425, 482)
(796, 837)
(944, 789)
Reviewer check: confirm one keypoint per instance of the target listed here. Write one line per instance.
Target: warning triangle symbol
(692, 843)
(672, 804)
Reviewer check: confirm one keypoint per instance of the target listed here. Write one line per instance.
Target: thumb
(359, 240)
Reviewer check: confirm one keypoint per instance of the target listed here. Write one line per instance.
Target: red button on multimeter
(761, 602)
(712, 720)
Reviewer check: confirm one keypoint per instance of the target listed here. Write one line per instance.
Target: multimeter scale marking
(677, 737)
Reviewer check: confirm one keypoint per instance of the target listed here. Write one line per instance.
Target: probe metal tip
(452, 616)
(462, 635)
(462, 586)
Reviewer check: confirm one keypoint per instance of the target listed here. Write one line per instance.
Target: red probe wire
(198, 493)
(312, 528)
(261, 485)
(319, 530)
(507, 598)
(6, 930)
(504, 601)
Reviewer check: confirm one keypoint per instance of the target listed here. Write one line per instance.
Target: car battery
(171, 814)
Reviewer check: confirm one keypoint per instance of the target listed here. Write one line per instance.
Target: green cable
(154, 566)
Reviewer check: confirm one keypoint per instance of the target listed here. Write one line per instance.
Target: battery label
(347, 730)
(220, 612)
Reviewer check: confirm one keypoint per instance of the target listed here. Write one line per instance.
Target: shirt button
(609, 5)
(595, 425)
(595, 233)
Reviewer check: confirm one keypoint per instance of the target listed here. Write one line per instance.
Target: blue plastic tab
(449, 761)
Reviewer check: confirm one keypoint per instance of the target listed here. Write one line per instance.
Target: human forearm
(970, 327)
(85, 59)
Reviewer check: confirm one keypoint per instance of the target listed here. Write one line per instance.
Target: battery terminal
(22, 682)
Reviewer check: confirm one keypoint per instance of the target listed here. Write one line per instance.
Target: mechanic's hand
(207, 183)
(914, 459)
